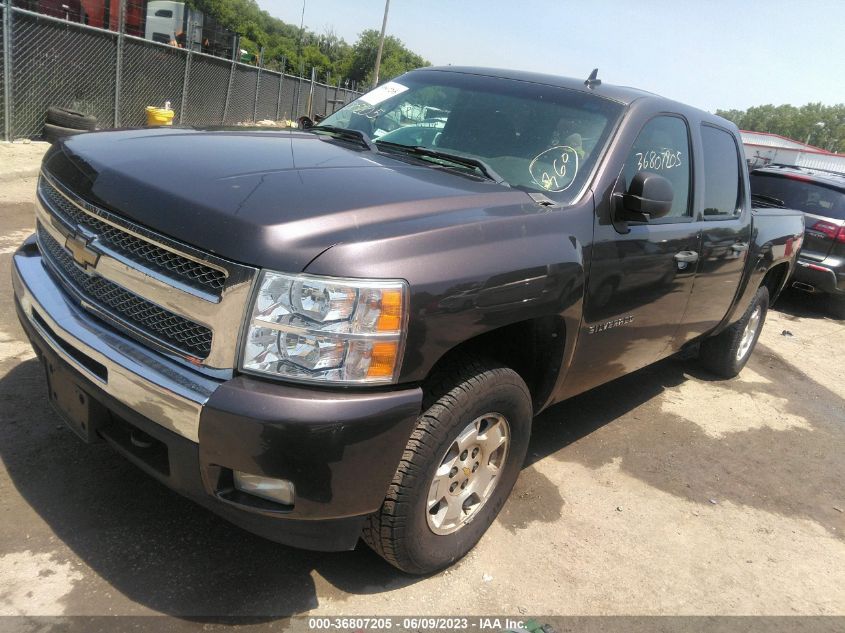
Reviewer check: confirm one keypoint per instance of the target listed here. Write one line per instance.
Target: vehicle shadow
(797, 304)
(771, 439)
(171, 556)
(148, 543)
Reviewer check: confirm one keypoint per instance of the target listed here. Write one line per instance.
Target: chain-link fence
(49, 61)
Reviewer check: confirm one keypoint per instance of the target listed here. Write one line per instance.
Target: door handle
(686, 257)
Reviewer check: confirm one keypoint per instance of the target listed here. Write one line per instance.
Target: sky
(706, 53)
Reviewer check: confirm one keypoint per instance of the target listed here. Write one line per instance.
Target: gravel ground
(665, 492)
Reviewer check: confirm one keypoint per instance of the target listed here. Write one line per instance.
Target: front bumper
(340, 448)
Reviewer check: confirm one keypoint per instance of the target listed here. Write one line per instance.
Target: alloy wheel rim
(468, 473)
(749, 333)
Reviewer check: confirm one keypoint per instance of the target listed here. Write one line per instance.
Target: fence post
(7, 70)
(235, 53)
(185, 83)
(281, 82)
(258, 85)
(118, 64)
(311, 92)
(298, 91)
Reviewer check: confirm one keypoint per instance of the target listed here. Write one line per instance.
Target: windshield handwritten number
(555, 168)
(653, 160)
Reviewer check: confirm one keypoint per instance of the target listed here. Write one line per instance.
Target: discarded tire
(53, 133)
(64, 117)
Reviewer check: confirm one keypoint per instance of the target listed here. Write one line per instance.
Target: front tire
(727, 353)
(458, 468)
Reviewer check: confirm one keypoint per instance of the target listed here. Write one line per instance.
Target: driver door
(640, 282)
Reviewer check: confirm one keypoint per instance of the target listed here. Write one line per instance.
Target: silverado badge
(601, 327)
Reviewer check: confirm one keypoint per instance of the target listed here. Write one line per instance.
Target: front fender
(469, 279)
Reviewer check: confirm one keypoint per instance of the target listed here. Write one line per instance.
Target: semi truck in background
(171, 22)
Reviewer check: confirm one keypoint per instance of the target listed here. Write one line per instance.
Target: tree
(395, 58)
(305, 49)
(799, 123)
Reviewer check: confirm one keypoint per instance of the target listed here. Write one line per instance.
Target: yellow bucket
(159, 116)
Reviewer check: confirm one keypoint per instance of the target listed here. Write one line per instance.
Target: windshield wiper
(352, 135)
(457, 159)
(770, 200)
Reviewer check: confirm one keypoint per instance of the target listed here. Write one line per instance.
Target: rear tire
(727, 353)
(472, 406)
(63, 117)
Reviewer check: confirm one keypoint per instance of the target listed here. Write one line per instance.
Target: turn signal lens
(390, 318)
(382, 360)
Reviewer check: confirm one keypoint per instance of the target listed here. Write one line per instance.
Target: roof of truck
(622, 94)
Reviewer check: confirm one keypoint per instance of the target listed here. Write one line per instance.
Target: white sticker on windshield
(383, 93)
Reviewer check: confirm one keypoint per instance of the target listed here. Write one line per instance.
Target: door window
(721, 174)
(663, 148)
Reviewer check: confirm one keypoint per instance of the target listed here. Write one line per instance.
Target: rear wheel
(727, 353)
(458, 468)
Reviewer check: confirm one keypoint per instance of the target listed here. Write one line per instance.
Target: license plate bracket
(80, 412)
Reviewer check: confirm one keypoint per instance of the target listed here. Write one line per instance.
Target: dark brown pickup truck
(345, 331)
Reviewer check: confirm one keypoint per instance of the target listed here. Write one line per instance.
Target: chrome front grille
(178, 300)
(141, 251)
(190, 337)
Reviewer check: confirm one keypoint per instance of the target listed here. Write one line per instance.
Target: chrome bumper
(167, 393)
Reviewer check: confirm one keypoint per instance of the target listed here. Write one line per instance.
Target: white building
(762, 148)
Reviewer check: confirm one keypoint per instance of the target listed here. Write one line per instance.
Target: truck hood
(274, 199)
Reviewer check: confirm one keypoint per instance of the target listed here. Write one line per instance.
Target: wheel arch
(775, 280)
(533, 348)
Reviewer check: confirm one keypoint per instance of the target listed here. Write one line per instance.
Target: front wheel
(457, 470)
(727, 353)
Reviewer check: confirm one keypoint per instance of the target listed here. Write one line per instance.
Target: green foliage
(799, 123)
(395, 58)
(300, 51)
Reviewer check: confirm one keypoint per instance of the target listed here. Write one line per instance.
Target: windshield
(532, 135)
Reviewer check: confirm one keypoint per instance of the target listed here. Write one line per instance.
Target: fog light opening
(275, 490)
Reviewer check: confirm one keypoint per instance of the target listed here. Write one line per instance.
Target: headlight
(326, 329)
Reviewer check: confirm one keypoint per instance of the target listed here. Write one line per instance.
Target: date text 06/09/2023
(497, 624)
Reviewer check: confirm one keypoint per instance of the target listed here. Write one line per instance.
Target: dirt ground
(665, 492)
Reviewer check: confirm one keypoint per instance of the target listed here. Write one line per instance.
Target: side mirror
(304, 122)
(648, 197)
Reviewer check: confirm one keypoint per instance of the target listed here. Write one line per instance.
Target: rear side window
(801, 195)
(721, 174)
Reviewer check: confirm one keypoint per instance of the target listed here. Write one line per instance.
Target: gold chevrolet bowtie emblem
(78, 248)
(467, 471)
